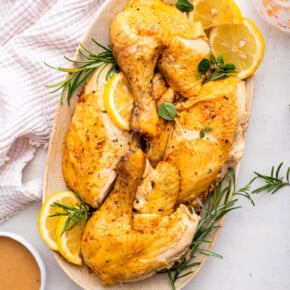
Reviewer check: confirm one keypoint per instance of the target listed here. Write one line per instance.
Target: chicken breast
(203, 135)
(94, 145)
(120, 246)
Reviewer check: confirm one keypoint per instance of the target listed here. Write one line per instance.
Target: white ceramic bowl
(33, 251)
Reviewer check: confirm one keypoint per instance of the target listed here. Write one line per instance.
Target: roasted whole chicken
(141, 181)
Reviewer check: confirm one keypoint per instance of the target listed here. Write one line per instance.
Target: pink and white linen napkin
(31, 32)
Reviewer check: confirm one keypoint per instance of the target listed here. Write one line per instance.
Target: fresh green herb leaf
(212, 57)
(210, 253)
(216, 75)
(203, 66)
(214, 68)
(220, 60)
(198, 76)
(273, 182)
(76, 214)
(201, 134)
(167, 111)
(222, 199)
(229, 67)
(184, 5)
(78, 75)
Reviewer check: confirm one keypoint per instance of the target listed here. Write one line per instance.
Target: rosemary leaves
(272, 182)
(222, 199)
(184, 5)
(76, 214)
(83, 70)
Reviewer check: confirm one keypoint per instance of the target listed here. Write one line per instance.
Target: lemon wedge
(46, 224)
(69, 242)
(240, 44)
(213, 12)
(118, 100)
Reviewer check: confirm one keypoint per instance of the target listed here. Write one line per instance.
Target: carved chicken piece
(93, 146)
(158, 191)
(159, 86)
(121, 247)
(214, 114)
(156, 146)
(179, 64)
(139, 34)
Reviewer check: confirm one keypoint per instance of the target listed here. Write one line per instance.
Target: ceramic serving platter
(86, 279)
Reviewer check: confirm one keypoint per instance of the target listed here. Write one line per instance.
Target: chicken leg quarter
(140, 34)
(120, 246)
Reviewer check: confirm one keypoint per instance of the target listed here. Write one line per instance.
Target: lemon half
(46, 224)
(240, 44)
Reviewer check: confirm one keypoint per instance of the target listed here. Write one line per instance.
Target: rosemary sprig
(273, 182)
(221, 200)
(214, 68)
(76, 214)
(83, 70)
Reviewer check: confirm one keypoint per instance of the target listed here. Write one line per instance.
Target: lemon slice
(47, 225)
(240, 44)
(216, 12)
(118, 101)
(69, 242)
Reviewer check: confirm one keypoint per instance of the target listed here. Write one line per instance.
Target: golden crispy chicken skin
(140, 34)
(143, 225)
(203, 136)
(120, 246)
(93, 146)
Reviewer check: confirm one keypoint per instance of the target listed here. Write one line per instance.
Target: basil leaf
(218, 75)
(167, 111)
(201, 134)
(198, 76)
(229, 66)
(184, 6)
(220, 60)
(203, 65)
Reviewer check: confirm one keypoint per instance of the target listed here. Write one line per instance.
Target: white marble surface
(255, 241)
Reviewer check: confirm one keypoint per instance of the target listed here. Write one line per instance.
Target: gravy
(18, 268)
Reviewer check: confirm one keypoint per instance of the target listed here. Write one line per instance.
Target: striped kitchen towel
(31, 32)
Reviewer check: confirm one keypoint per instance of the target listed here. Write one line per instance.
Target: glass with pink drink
(276, 12)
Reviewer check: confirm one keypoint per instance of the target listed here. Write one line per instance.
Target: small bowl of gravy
(21, 267)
